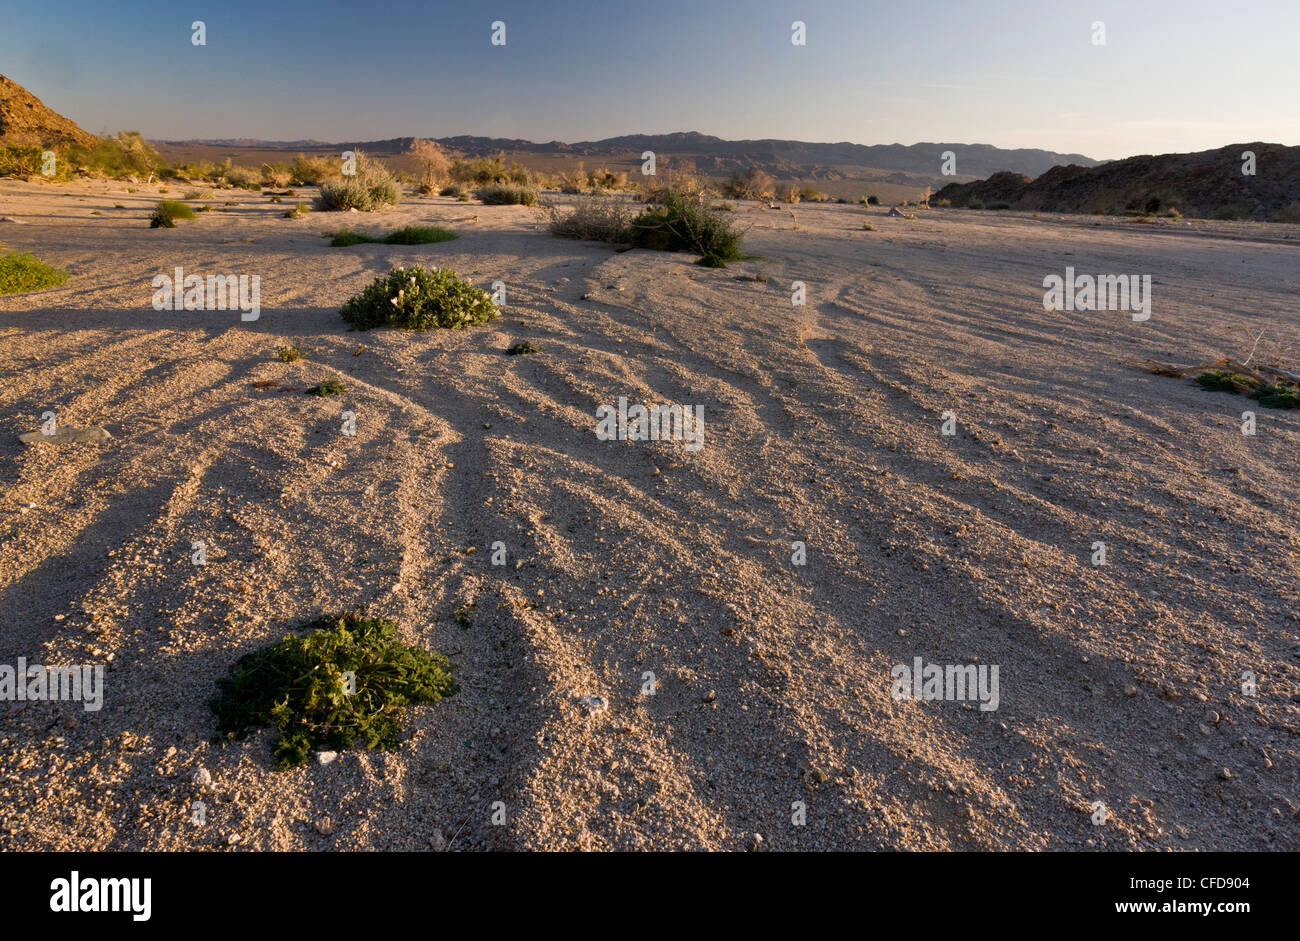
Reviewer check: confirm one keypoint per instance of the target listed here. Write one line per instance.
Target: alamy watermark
(1104, 292)
(656, 423)
(952, 682)
(84, 684)
(216, 292)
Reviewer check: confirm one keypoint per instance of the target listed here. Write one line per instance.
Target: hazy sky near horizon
(1173, 75)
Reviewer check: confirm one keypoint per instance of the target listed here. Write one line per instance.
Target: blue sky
(1174, 75)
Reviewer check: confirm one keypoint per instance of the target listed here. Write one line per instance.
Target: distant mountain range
(1207, 184)
(782, 158)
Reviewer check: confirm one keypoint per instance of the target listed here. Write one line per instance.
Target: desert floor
(1118, 683)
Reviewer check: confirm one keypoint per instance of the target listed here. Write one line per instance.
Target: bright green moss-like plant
(330, 386)
(344, 680)
(167, 211)
(418, 299)
(21, 272)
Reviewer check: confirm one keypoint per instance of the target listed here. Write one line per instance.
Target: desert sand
(1119, 683)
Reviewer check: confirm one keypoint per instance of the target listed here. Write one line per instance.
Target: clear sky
(1173, 75)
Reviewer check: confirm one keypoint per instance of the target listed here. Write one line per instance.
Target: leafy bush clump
(21, 272)
(167, 212)
(454, 189)
(370, 188)
(417, 299)
(1275, 396)
(345, 680)
(301, 209)
(683, 224)
(521, 348)
(410, 235)
(1269, 394)
(245, 178)
(507, 195)
(289, 354)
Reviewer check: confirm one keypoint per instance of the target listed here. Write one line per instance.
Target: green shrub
(455, 189)
(245, 178)
(330, 386)
(20, 272)
(167, 211)
(126, 153)
(416, 299)
(519, 349)
(684, 224)
(299, 210)
(873, 201)
(371, 187)
(309, 171)
(593, 218)
(410, 235)
(298, 687)
(506, 195)
(1279, 397)
(289, 354)
(199, 194)
(20, 160)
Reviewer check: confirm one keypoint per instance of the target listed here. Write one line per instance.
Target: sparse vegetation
(419, 299)
(301, 209)
(167, 212)
(277, 174)
(750, 183)
(344, 680)
(244, 178)
(506, 195)
(20, 272)
(434, 163)
(289, 354)
(686, 224)
(371, 187)
(410, 235)
(482, 171)
(199, 194)
(454, 189)
(521, 348)
(593, 218)
(872, 201)
(311, 171)
(1290, 214)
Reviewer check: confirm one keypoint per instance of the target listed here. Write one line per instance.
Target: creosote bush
(344, 680)
(684, 224)
(167, 212)
(21, 272)
(418, 299)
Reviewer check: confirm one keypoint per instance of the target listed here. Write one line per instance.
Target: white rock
(325, 757)
(202, 777)
(593, 704)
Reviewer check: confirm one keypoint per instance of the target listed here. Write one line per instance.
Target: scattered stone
(711, 695)
(755, 842)
(1130, 691)
(593, 704)
(325, 825)
(202, 778)
(437, 842)
(325, 757)
(1225, 774)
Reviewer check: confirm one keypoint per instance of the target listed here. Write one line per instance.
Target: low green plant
(167, 212)
(1274, 396)
(419, 299)
(289, 354)
(299, 210)
(521, 348)
(20, 272)
(343, 681)
(330, 386)
(454, 189)
(506, 195)
(199, 194)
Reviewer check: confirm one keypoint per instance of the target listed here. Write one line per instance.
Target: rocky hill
(24, 120)
(1207, 184)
